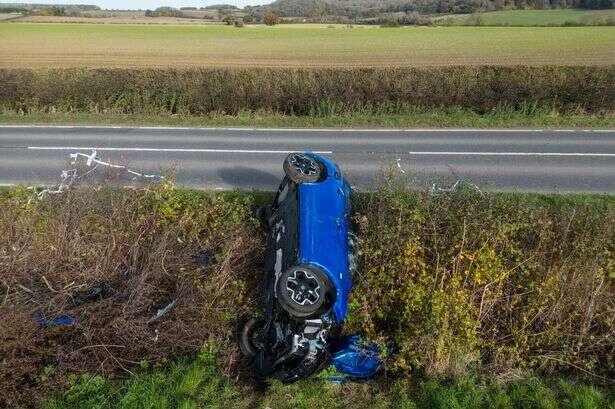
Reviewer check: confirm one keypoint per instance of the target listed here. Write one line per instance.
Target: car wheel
(248, 335)
(304, 291)
(302, 168)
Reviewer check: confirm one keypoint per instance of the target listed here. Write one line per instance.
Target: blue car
(309, 267)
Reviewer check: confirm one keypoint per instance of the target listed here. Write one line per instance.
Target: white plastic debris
(92, 161)
(162, 312)
(435, 189)
(399, 166)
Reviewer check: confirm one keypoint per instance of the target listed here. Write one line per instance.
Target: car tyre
(302, 168)
(246, 342)
(304, 291)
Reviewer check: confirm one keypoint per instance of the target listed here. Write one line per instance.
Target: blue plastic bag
(63, 320)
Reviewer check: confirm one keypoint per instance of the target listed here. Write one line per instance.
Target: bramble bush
(466, 281)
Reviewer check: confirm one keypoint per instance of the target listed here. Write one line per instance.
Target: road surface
(496, 160)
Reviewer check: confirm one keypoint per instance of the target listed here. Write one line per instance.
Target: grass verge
(197, 383)
(436, 118)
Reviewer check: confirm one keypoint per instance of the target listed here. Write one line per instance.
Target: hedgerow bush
(314, 91)
(466, 281)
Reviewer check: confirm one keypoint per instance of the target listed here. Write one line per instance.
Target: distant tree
(228, 20)
(248, 19)
(164, 12)
(220, 7)
(596, 4)
(50, 11)
(271, 19)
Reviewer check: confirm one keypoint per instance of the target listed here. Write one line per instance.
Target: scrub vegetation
(466, 286)
(114, 259)
(495, 283)
(42, 45)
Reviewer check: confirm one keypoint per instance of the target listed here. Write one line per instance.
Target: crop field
(539, 17)
(126, 19)
(100, 45)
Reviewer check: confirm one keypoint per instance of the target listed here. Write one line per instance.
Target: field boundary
(309, 92)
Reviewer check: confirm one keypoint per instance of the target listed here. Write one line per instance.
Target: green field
(539, 18)
(64, 45)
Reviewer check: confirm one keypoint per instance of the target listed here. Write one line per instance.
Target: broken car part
(357, 359)
(62, 320)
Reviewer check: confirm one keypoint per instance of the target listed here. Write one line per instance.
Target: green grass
(189, 384)
(99, 45)
(435, 118)
(539, 17)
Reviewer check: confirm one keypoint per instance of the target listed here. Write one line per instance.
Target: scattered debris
(162, 312)
(357, 359)
(399, 166)
(62, 320)
(67, 178)
(97, 294)
(202, 258)
(92, 161)
(435, 189)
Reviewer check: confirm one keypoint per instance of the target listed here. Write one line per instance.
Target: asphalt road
(497, 160)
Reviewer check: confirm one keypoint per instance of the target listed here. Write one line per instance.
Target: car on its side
(309, 268)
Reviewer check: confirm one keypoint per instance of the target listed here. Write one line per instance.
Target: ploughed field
(99, 45)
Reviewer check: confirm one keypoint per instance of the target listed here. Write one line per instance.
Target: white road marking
(249, 151)
(172, 128)
(186, 150)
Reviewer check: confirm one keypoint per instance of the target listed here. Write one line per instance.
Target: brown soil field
(113, 20)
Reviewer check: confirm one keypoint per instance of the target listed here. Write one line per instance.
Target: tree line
(355, 9)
